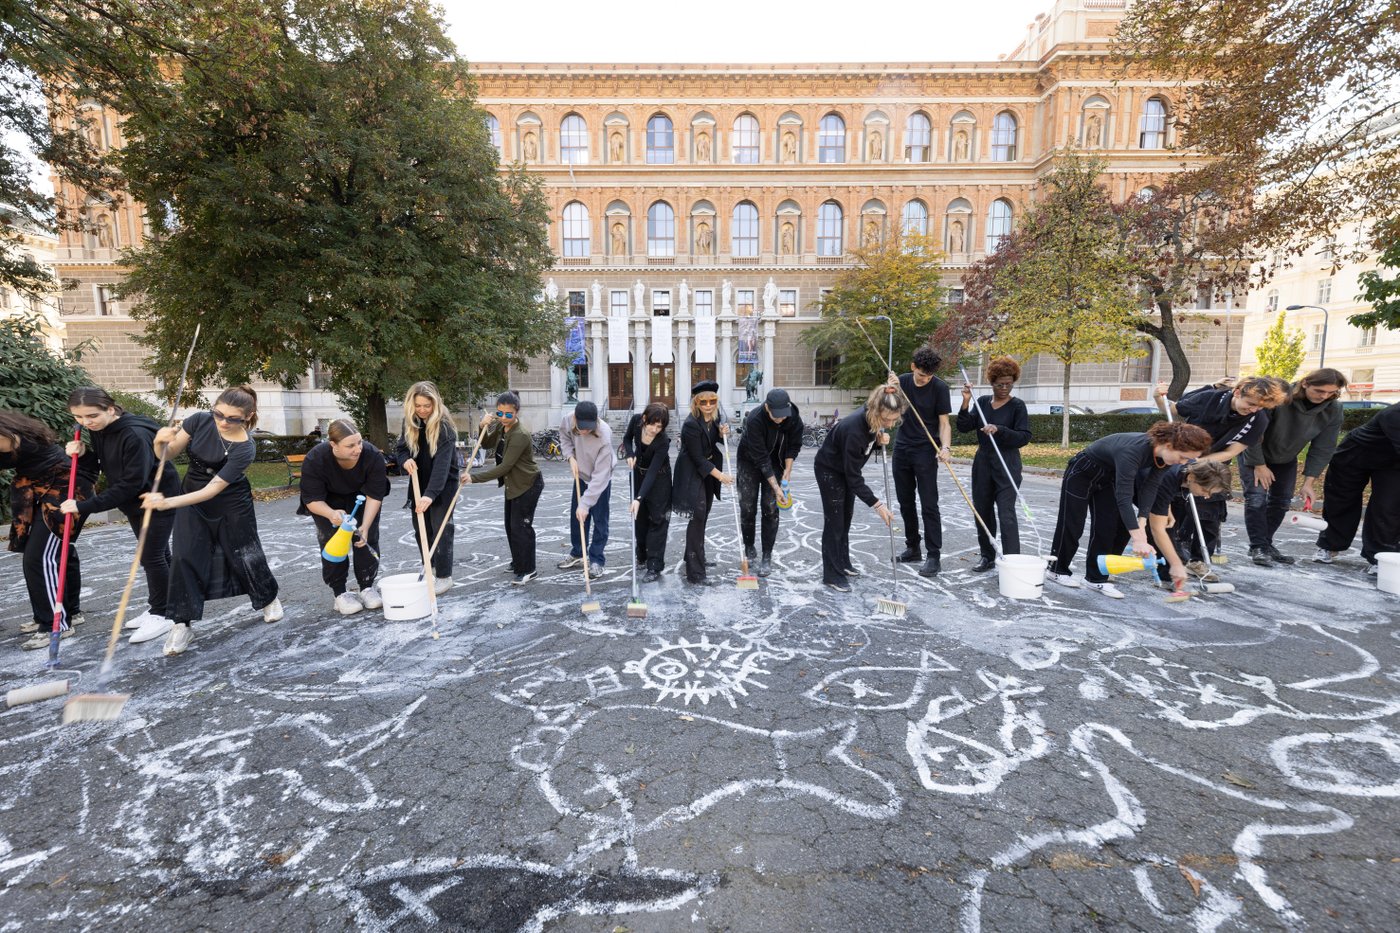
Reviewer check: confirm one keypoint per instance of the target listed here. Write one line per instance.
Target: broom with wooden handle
(430, 578)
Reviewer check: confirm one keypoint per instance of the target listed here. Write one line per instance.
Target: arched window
(829, 223)
(493, 129)
(743, 232)
(661, 141)
(915, 219)
(1004, 137)
(998, 224)
(576, 230)
(1152, 133)
(573, 140)
(745, 140)
(661, 230)
(918, 137)
(831, 139)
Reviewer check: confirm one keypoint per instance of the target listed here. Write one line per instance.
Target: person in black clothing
(334, 473)
(1201, 478)
(1236, 419)
(648, 453)
(838, 465)
(427, 448)
(1370, 454)
(915, 462)
(1009, 429)
(121, 448)
(772, 439)
(699, 474)
(216, 549)
(39, 489)
(1113, 483)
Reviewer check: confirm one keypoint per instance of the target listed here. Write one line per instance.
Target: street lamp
(1322, 350)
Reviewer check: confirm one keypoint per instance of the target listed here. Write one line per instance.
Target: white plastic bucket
(405, 597)
(1388, 572)
(1306, 521)
(1021, 576)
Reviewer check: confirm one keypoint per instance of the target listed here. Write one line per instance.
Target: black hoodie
(123, 452)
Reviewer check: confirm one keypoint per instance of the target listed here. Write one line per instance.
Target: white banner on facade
(617, 340)
(661, 340)
(704, 338)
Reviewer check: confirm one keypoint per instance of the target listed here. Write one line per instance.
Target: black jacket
(766, 446)
(700, 453)
(1130, 465)
(847, 447)
(124, 452)
(1376, 444)
(1013, 426)
(437, 474)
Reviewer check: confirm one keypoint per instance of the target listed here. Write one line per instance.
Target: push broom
(636, 609)
(891, 606)
(1025, 506)
(87, 707)
(745, 580)
(589, 603)
(1201, 584)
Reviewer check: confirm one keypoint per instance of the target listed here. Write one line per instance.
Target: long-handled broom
(452, 507)
(636, 609)
(589, 603)
(891, 606)
(86, 707)
(431, 578)
(1025, 506)
(745, 580)
(1204, 587)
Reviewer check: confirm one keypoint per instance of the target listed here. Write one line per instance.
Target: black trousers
(155, 559)
(42, 555)
(1264, 508)
(1087, 491)
(838, 507)
(990, 487)
(753, 488)
(651, 529)
(916, 472)
(1212, 515)
(695, 536)
(366, 565)
(1341, 508)
(520, 527)
(434, 519)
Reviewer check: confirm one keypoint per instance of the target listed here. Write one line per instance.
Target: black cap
(585, 416)
(779, 405)
(707, 385)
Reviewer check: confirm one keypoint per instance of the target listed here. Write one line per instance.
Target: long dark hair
(19, 428)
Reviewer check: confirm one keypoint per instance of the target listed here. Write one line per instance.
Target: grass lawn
(1040, 455)
(263, 475)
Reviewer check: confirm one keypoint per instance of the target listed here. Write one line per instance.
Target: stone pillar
(724, 360)
(641, 368)
(556, 388)
(598, 368)
(769, 332)
(682, 366)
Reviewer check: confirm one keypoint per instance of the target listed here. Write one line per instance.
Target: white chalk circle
(1358, 764)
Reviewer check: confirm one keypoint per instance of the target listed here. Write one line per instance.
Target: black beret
(708, 385)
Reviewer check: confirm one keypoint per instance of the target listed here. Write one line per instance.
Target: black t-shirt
(1169, 488)
(323, 479)
(931, 401)
(208, 446)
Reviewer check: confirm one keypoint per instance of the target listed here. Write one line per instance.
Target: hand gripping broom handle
(957, 482)
(455, 496)
(63, 556)
(146, 516)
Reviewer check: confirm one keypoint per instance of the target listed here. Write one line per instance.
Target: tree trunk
(1064, 428)
(1171, 343)
(376, 419)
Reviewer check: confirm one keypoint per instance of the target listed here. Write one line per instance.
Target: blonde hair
(695, 404)
(1211, 475)
(883, 399)
(432, 428)
(1267, 391)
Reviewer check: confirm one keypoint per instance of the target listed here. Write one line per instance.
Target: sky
(728, 31)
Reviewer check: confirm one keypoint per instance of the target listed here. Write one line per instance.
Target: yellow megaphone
(338, 547)
(1122, 563)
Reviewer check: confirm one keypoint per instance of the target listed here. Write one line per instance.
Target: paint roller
(45, 691)
(337, 549)
(1299, 520)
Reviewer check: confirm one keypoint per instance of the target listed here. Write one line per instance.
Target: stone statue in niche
(726, 292)
(1093, 132)
(752, 382)
(570, 385)
(92, 132)
(702, 147)
(704, 239)
(615, 148)
(531, 147)
(619, 239)
(872, 232)
(551, 291)
(685, 298)
(962, 146)
(875, 149)
(788, 240)
(957, 240)
(597, 297)
(640, 291)
(789, 146)
(102, 229)
(770, 298)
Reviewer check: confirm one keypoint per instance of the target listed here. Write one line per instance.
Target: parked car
(1366, 403)
(1135, 410)
(1073, 410)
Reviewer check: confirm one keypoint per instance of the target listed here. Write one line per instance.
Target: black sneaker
(1280, 557)
(910, 555)
(1261, 556)
(751, 553)
(853, 571)
(523, 578)
(765, 566)
(985, 564)
(651, 576)
(842, 587)
(930, 567)
(700, 581)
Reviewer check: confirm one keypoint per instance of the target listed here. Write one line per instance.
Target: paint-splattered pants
(42, 555)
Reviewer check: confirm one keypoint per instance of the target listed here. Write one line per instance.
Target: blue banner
(748, 340)
(574, 343)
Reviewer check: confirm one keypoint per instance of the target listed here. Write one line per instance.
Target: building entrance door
(663, 384)
(620, 386)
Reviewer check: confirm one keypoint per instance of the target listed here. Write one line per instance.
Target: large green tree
(901, 277)
(1380, 287)
(334, 198)
(1280, 353)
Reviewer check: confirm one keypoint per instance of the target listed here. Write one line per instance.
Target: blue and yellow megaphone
(338, 547)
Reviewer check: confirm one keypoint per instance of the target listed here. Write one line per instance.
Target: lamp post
(1322, 350)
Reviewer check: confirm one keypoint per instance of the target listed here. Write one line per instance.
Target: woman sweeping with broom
(40, 487)
(334, 474)
(699, 474)
(427, 452)
(649, 452)
(217, 551)
(518, 473)
(1002, 425)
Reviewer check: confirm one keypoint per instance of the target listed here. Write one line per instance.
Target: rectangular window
(105, 304)
(320, 376)
(577, 304)
(956, 296)
(617, 302)
(1138, 368)
(743, 302)
(1205, 297)
(787, 302)
(1324, 291)
(824, 367)
(744, 234)
(1368, 337)
(661, 303)
(704, 303)
(1317, 337)
(816, 308)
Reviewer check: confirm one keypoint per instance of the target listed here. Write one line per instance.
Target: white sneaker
(596, 573)
(569, 563)
(77, 618)
(152, 628)
(523, 578)
(442, 585)
(41, 639)
(179, 640)
(347, 604)
(1107, 589)
(1373, 570)
(1324, 556)
(272, 612)
(371, 598)
(141, 620)
(1064, 579)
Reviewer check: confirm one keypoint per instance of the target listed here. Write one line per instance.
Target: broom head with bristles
(636, 609)
(891, 607)
(745, 580)
(94, 707)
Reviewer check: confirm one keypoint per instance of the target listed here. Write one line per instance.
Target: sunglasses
(707, 402)
(1002, 385)
(225, 419)
(508, 415)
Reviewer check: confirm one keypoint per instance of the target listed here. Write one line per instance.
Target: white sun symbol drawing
(699, 670)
